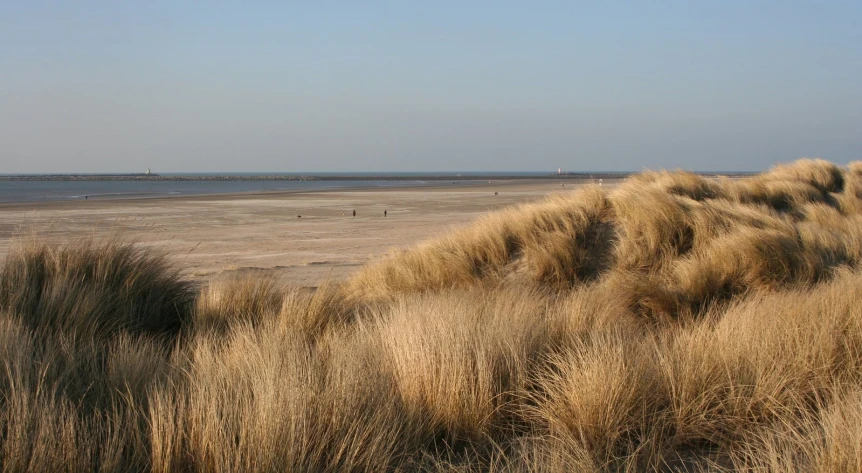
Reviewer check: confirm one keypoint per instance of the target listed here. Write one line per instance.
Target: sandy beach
(213, 236)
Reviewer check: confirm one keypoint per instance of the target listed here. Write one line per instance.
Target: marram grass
(673, 323)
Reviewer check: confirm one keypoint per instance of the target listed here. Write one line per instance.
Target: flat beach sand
(218, 235)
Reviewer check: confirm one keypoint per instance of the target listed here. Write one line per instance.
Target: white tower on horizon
(148, 171)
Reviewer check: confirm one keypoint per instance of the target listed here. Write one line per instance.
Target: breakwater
(327, 177)
(333, 177)
(150, 177)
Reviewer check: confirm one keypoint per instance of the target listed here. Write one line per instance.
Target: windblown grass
(674, 323)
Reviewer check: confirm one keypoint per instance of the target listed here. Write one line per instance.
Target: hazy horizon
(100, 87)
(466, 173)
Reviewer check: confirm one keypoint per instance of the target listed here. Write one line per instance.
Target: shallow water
(38, 191)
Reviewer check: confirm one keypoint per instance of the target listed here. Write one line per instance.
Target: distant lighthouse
(148, 171)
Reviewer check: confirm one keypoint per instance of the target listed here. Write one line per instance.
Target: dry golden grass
(674, 323)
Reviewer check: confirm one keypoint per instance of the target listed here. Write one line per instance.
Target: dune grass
(673, 323)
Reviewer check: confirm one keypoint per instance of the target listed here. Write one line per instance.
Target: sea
(70, 190)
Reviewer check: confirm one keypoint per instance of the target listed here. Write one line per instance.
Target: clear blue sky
(99, 86)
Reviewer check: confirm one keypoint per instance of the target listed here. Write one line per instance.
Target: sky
(106, 86)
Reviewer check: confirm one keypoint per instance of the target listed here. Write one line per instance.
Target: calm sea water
(37, 191)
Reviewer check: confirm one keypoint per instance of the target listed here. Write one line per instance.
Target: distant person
(86, 197)
(384, 214)
(354, 212)
(495, 193)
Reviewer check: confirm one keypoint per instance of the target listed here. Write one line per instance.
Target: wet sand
(218, 235)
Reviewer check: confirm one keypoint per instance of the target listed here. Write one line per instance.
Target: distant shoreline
(332, 177)
(431, 186)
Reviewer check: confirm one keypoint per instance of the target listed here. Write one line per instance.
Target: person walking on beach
(384, 214)
(354, 212)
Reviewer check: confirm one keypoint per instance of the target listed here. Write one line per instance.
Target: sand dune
(672, 323)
